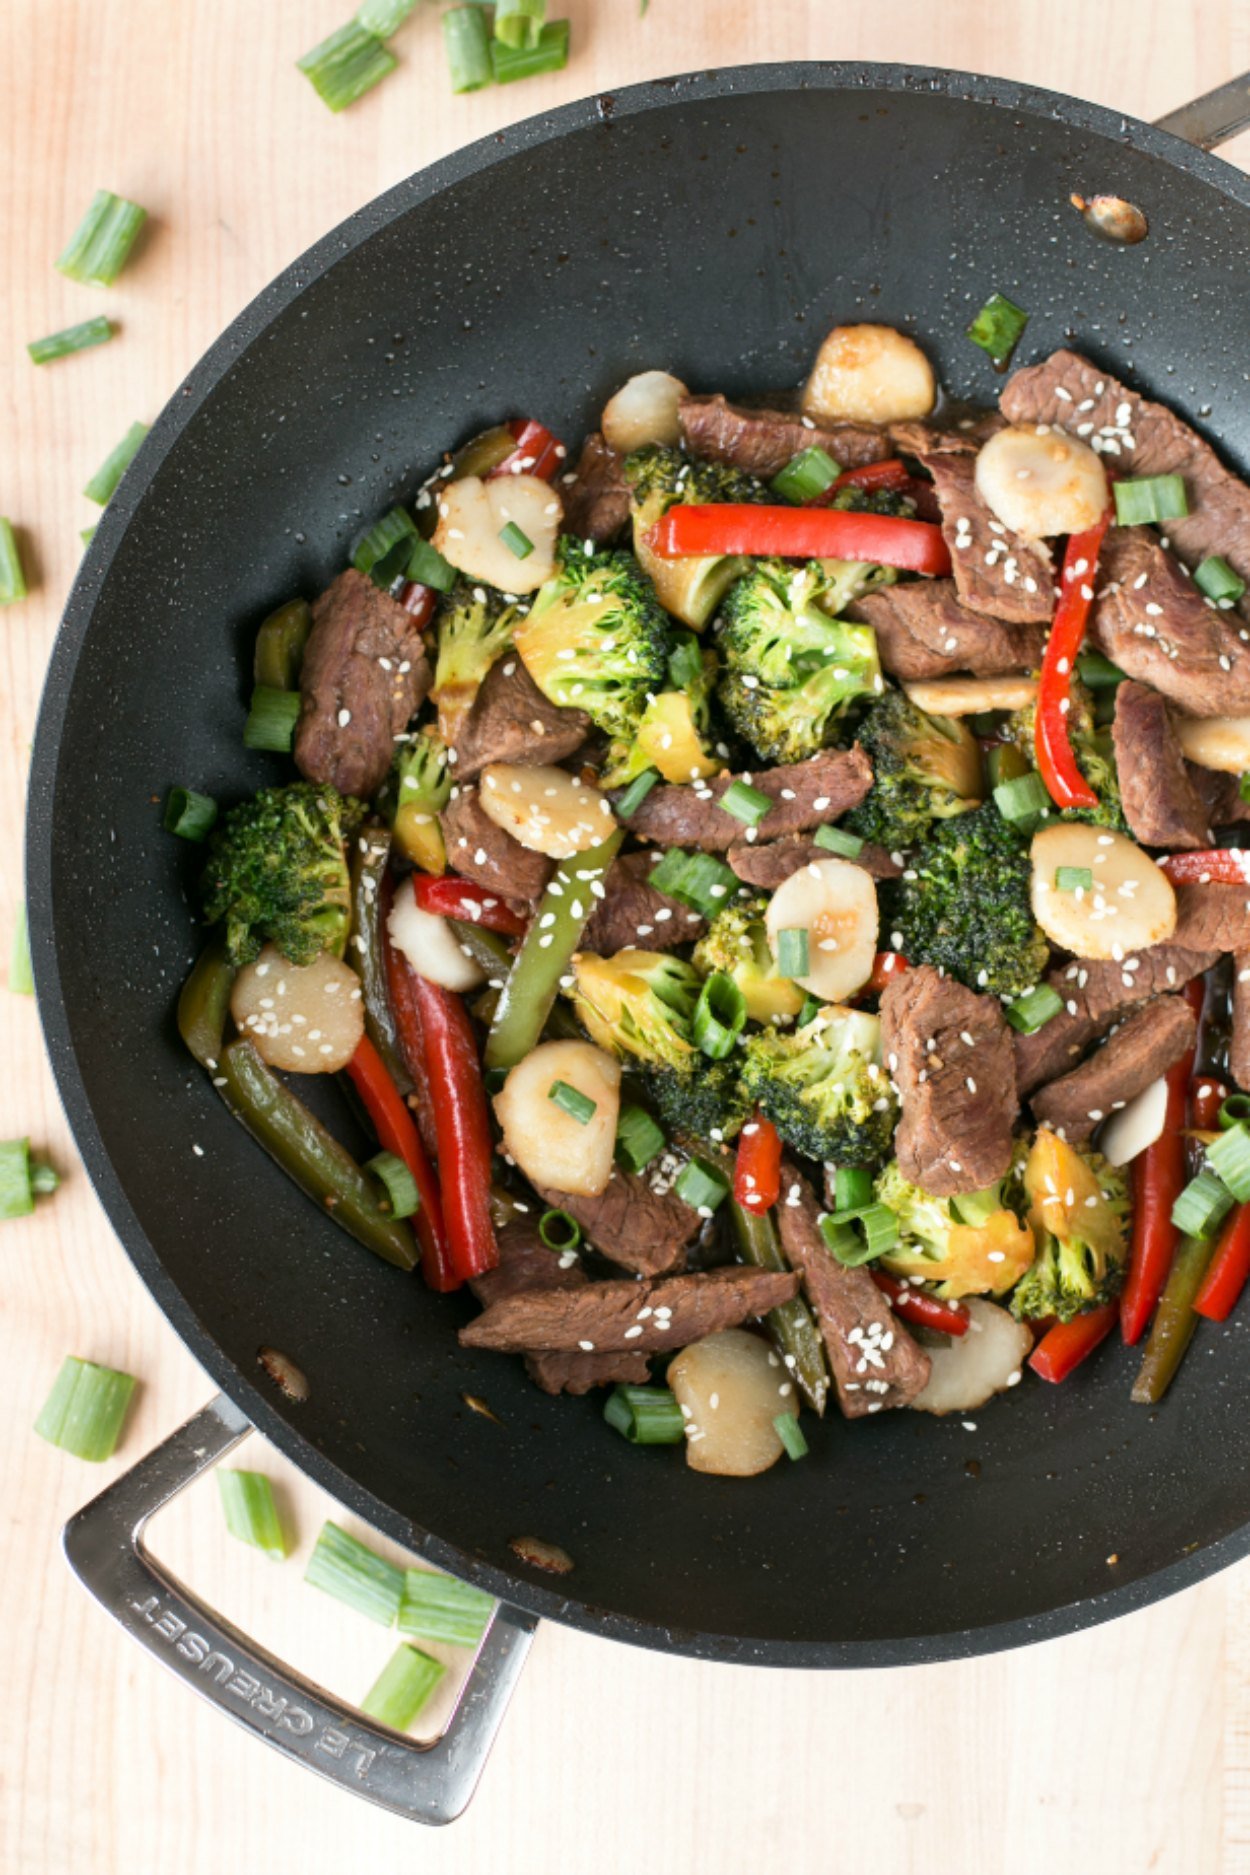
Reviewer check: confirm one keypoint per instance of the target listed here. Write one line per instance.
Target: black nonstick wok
(715, 225)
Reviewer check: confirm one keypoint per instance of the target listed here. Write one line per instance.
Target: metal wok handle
(1214, 117)
(105, 1547)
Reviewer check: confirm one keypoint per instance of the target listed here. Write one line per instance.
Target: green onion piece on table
(79, 338)
(346, 65)
(852, 1188)
(385, 534)
(791, 1327)
(720, 1015)
(638, 1139)
(383, 17)
(251, 1513)
(440, 1608)
(1215, 579)
(83, 1413)
(551, 54)
(645, 1415)
(806, 475)
(516, 541)
(518, 23)
(1024, 802)
(1146, 498)
(1175, 1321)
(21, 976)
(1074, 879)
(349, 1570)
(271, 720)
(402, 1688)
(745, 803)
(1034, 1009)
(1229, 1158)
(280, 641)
(794, 952)
(571, 1100)
(466, 41)
(103, 484)
(402, 1197)
(559, 1231)
(100, 245)
(190, 815)
(22, 1179)
(834, 840)
(998, 329)
(787, 1429)
(698, 880)
(702, 1186)
(12, 578)
(1202, 1206)
(637, 792)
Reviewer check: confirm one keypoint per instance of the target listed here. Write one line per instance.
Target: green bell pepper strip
(371, 903)
(792, 1328)
(1174, 1322)
(487, 949)
(280, 645)
(527, 996)
(205, 1003)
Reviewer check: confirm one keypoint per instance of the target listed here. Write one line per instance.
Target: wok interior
(719, 237)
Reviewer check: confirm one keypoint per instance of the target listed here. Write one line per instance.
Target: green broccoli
(973, 1244)
(925, 768)
(1094, 752)
(846, 580)
(964, 905)
(1079, 1213)
(690, 588)
(707, 1099)
(824, 1088)
(475, 626)
(277, 870)
(674, 732)
(596, 638)
(418, 787)
(736, 942)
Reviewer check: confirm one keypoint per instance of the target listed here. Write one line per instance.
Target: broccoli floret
(1095, 757)
(846, 580)
(736, 942)
(824, 1088)
(789, 669)
(708, 1098)
(971, 1244)
(418, 787)
(925, 768)
(277, 870)
(690, 588)
(674, 733)
(475, 626)
(596, 638)
(639, 1004)
(1079, 1212)
(964, 905)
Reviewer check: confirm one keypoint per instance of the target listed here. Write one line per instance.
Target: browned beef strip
(1152, 621)
(763, 441)
(512, 721)
(1220, 795)
(577, 1373)
(1146, 1046)
(1095, 996)
(995, 570)
(479, 850)
(633, 915)
(925, 439)
(1141, 438)
(807, 794)
(525, 1264)
(631, 1223)
(770, 865)
(595, 493)
(949, 1052)
(924, 631)
(628, 1316)
(364, 676)
(1161, 804)
(1213, 917)
(874, 1360)
(1239, 1045)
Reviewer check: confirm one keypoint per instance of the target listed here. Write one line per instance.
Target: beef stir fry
(771, 881)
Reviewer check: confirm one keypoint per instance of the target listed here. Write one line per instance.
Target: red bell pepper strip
(886, 965)
(397, 1133)
(1159, 1176)
(449, 897)
(408, 1030)
(1230, 1266)
(892, 474)
(799, 534)
(462, 1122)
(537, 452)
(913, 1305)
(419, 600)
(1219, 866)
(1065, 783)
(757, 1169)
(1067, 1344)
(1206, 1097)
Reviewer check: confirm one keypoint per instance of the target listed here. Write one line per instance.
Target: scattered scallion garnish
(1143, 498)
(859, 1235)
(12, 578)
(806, 475)
(402, 1195)
(516, 540)
(852, 1188)
(83, 1413)
(395, 526)
(745, 803)
(719, 1016)
(440, 1608)
(103, 484)
(701, 1186)
(638, 1138)
(79, 338)
(998, 328)
(637, 792)
(1235, 1111)
(1024, 802)
(789, 1432)
(355, 1574)
(1202, 1206)
(698, 880)
(1034, 1009)
(551, 54)
(1097, 672)
(1074, 879)
(559, 1231)
(1229, 1158)
(190, 815)
(427, 565)
(834, 840)
(571, 1100)
(402, 1688)
(347, 64)
(100, 245)
(794, 952)
(271, 720)
(645, 1415)
(1215, 578)
(22, 1179)
(251, 1513)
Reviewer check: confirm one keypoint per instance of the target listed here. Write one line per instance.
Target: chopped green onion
(100, 245)
(189, 815)
(638, 1139)
(1034, 1009)
(516, 541)
(21, 976)
(685, 662)
(845, 1243)
(251, 1514)
(787, 1429)
(550, 54)
(12, 578)
(1024, 802)
(346, 65)
(720, 1015)
(440, 1608)
(698, 880)
(83, 1413)
(571, 1100)
(1097, 672)
(1229, 1158)
(271, 720)
(834, 840)
(806, 475)
(1202, 1206)
(559, 1231)
(355, 1574)
(427, 566)
(812, 1007)
(645, 1415)
(1074, 879)
(1235, 1110)
(1216, 579)
(402, 1688)
(636, 793)
(852, 1188)
(22, 1179)
(998, 328)
(877, 1233)
(401, 1188)
(79, 338)
(87, 534)
(1150, 498)
(103, 484)
(466, 42)
(794, 952)
(383, 17)
(745, 803)
(701, 1186)
(395, 526)
(518, 23)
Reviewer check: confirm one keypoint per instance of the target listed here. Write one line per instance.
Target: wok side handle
(425, 1783)
(1214, 117)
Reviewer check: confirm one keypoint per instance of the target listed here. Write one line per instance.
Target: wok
(716, 225)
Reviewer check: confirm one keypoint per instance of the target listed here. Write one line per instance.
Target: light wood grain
(1123, 1750)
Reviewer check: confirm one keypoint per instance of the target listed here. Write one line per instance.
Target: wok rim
(554, 1602)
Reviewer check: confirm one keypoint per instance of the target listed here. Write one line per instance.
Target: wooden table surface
(1122, 1750)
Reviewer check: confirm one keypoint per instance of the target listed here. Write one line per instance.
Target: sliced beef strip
(1095, 996)
(1151, 620)
(479, 850)
(630, 1316)
(631, 1223)
(925, 439)
(1239, 1045)
(633, 915)
(949, 1052)
(1213, 917)
(1141, 438)
(807, 794)
(1220, 795)
(875, 1362)
(770, 865)
(996, 572)
(595, 493)
(577, 1373)
(512, 721)
(1151, 1041)
(1160, 802)
(924, 630)
(364, 676)
(525, 1264)
(763, 441)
